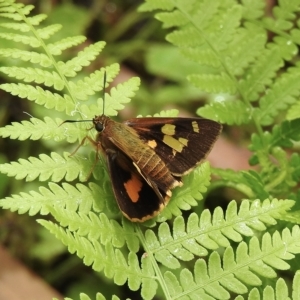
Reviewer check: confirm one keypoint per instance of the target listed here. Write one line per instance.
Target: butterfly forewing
(182, 143)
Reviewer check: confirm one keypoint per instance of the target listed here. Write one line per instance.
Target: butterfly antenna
(104, 82)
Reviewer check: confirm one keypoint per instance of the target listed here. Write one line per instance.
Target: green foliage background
(238, 56)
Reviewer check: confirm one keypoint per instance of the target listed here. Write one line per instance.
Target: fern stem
(156, 268)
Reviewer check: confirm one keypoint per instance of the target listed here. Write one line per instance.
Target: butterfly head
(99, 123)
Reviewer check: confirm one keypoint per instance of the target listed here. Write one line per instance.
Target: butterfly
(147, 157)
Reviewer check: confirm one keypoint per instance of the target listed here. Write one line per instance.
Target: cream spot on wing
(173, 143)
(168, 129)
(195, 127)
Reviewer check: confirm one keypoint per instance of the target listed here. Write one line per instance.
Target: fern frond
(284, 13)
(236, 272)
(35, 75)
(94, 82)
(46, 129)
(66, 43)
(42, 201)
(16, 26)
(293, 112)
(40, 96)
(284, 92)
(46, 32)
(246, 45)
(209, 232)
(296, 286)
(285, 134)
(37, 19)
(222, 112)
(196, 184)
(45, 167)
(18, 38)
(156, 4)
(204, 57)
(96, 226)
(15, 11)
(111, 261)
(99, 296)
(83, 59)
(261, 74)
(253, 9)
(170, 19)
(120, 94)
(31, 56)
(213, 83)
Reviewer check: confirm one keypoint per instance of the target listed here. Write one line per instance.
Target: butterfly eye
(99, 127)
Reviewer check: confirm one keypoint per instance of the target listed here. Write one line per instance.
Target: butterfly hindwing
(182, 143)
(137, 199)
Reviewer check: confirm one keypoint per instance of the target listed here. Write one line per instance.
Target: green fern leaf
(91, 225)
(40, 96)
(99, 296)
(246, 45)
(261, 74)
(170, 19)
(213, 83)
(35, 75)
(253, 9)
(120, 94)
(284, 134)
(66, 43)
(284, 14)
(186, 37)
(36, 20)
(293, 112)
(94, 82)
(150, 5)
(211, 232)
(149, 286)
(46, 32)
(16, 26)
(259, 261)
(83, 59)
(222, 112)
(45, 167)
(204, 57)
(284, 92)
(196, 184)
(229, 19)
(18, 38)
(33, 57)
(111, 261)
(41, 202)
(296, 286)
(36, 129)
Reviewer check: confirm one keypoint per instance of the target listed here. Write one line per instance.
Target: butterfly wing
(138, 199)
(182, 143)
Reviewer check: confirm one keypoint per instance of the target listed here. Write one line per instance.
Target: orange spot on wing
(132, 187)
